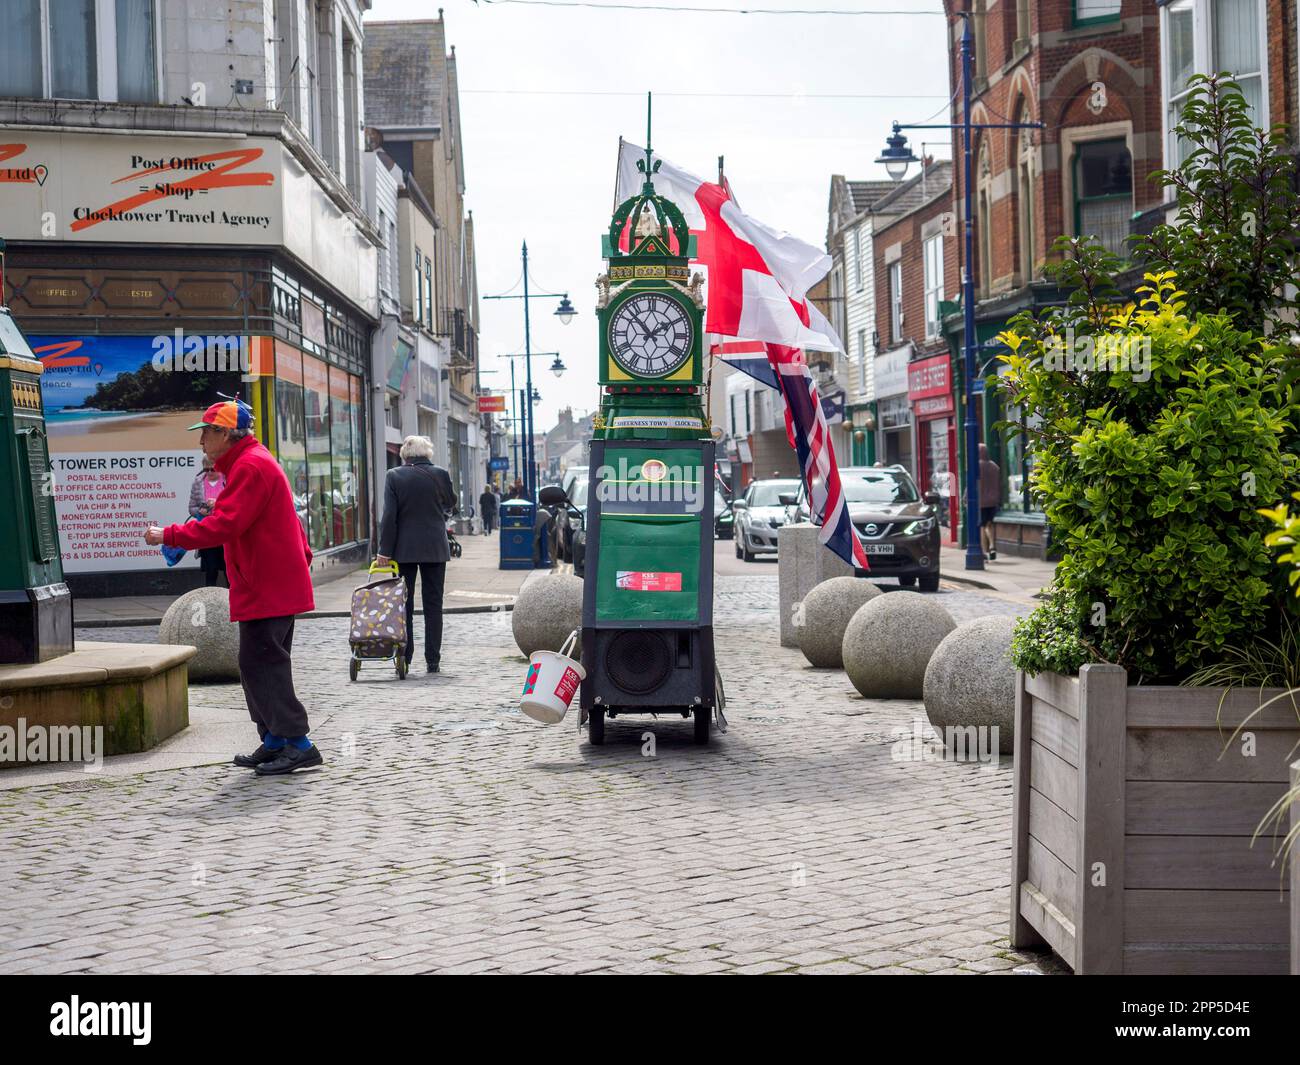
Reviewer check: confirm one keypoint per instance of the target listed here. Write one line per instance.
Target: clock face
(650, 335)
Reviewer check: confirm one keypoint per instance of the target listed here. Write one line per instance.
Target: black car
(898, 528)
(724, 518)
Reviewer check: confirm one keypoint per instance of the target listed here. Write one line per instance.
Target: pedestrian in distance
(203, 497)
(418, 500)
(487, 504)
(990, 501)
(268, 564)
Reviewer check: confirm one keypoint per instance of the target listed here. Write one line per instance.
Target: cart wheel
(703, 716)
(354, 667)
(596, 727)
(401, 667)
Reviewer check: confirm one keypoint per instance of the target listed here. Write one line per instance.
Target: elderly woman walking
(418, 500)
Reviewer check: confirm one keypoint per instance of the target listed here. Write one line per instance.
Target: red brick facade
(1081, 82)
(903, 241)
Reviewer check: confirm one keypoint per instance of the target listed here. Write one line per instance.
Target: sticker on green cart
(639, 581)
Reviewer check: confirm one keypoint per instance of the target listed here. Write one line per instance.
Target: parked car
(899, 528)
(759, 514)
(724, 518)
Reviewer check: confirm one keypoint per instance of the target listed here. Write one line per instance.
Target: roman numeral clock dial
(650, 335)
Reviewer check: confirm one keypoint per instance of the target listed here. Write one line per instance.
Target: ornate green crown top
(654, 225)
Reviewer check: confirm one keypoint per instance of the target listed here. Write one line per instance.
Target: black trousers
(266, 672)
(432, 575)
(489, 523)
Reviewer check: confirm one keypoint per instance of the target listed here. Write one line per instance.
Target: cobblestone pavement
(449, 833)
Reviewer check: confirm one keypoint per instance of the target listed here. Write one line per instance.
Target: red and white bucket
(552, 680)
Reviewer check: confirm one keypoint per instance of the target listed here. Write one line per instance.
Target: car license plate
(878, 549)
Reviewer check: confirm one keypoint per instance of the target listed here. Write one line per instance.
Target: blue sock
(272, 742)
(301, 742)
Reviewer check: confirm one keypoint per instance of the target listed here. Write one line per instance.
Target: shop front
(232, 272)
(893, 413)
(931, 398)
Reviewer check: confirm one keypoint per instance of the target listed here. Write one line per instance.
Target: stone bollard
(547, 610)
(888, 644)
(824, 614)
(802, 564)
(970, 680)
(201, 618)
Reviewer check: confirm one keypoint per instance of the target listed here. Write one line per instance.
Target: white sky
(541, 126)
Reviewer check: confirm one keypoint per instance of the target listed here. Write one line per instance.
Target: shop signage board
(119, 450)
(929, 377)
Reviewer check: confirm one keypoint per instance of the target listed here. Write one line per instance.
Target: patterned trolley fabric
(379, 618)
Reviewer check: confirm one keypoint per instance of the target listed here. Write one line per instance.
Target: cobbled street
(448, 833)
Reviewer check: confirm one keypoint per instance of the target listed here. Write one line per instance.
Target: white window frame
(1202, 51)
(896, 301)
(105, 52)
(933, 283)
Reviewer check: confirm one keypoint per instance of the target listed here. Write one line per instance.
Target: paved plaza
(447, 833)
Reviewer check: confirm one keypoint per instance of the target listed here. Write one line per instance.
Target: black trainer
(289, 759)
(262, 754)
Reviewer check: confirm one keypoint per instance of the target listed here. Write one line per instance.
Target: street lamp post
(896, 158)
(528, 398)
(564, 313)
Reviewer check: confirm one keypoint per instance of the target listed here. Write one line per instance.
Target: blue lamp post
(564, 312)
(897, 157)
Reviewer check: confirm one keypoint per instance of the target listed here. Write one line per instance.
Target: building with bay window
(182, 206)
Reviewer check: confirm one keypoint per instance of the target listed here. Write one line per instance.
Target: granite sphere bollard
(547, 610)
(201, 618)
(971, 680)
(824, 614)
(889, 641)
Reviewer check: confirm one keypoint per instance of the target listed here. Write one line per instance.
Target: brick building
(1089, 71)
(914, 272)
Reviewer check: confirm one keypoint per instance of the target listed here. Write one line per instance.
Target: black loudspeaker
(649, 668)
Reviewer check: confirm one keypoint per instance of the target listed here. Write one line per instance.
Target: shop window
(343, 472)
(320, 480)
(1103, 192)
(1205, 37)
(359, 449)
(291, 427)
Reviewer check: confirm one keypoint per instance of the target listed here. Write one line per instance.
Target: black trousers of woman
(432, 575)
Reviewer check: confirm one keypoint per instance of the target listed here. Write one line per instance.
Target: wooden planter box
(1295, 879)
(1131, 828)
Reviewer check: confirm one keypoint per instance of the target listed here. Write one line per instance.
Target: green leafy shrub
(1151, 457)
(1232, 245)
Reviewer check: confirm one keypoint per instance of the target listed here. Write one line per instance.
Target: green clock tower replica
(647, 637)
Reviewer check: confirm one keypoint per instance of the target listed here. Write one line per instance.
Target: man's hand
(382, 560)
(153, 536)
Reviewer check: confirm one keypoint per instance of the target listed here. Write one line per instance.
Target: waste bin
(517, 519)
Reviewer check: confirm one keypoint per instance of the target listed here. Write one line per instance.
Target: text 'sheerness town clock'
(647, 636)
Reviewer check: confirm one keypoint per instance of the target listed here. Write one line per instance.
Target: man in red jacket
(268, 566)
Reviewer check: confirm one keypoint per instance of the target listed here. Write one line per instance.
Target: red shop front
(929, 390)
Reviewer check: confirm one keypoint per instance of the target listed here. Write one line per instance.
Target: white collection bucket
(551, 682)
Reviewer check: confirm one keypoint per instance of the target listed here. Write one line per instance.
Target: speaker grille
(638, 661)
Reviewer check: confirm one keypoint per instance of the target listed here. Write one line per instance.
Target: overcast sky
(546, 92)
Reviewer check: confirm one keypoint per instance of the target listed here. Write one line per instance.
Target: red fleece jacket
(267, 557)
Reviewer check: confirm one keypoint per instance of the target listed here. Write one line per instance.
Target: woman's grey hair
(417, 447)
